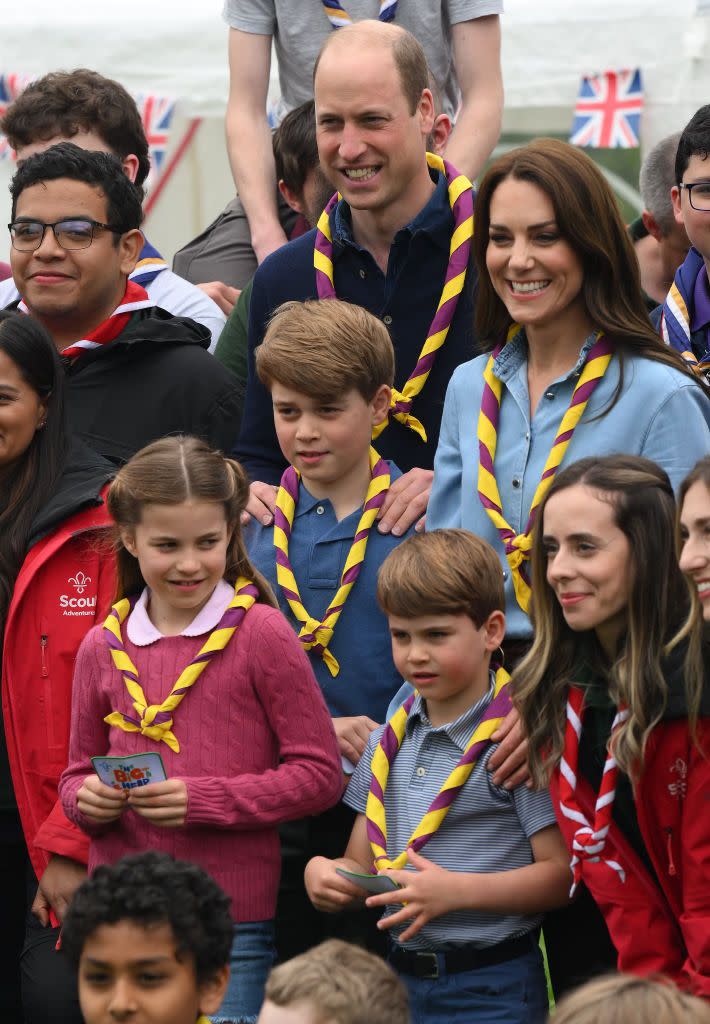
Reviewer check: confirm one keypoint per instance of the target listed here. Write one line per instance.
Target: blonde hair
(445, 572)
(342, 984)
(662, 611)
(626, 998)
(323, 349)
(169, 472)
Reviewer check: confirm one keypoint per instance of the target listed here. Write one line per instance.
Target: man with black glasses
(135, 372)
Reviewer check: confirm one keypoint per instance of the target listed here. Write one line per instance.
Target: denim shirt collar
(461, 729)
(435, 219)
(515, 353)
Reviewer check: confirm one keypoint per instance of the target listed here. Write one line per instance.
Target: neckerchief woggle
(590, 837)
(383, 758)
(315, 635)
(678, 312)
(461, 198)
(518, 545)
(150, 264)
(339, 17)
(156, 720)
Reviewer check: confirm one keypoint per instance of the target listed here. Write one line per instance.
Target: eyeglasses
(699, 195)
(71, 234)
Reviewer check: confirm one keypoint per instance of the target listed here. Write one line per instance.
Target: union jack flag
(608, 111)
(156, 113)
(11, 85)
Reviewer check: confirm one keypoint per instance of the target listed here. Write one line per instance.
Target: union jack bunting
(11, 85)
(608, 111)
(156, 113)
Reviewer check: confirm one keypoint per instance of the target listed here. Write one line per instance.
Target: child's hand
(326, 889)
(353, 734)
(428, 892)
(100, 802)
(163, 803)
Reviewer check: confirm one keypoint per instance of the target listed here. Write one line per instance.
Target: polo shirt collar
(141, 631)
(343, 530)
(435, 219)
(515, 353)
(460, 730)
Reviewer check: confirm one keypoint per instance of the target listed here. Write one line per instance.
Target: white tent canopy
(175, 48)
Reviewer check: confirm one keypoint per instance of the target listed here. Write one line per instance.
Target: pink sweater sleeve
(309, 778)
(88, 735)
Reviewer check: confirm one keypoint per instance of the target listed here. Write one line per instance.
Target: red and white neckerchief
(589, 839)
(135, 297)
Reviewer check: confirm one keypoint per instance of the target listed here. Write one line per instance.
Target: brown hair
(700, 473)
(407, 53)
(621, 998)
(445, 572)
(588, 218)
(659, 616)
(340, 984)
(169, 472)
(295, 148)
(66, 102)
(323, 349)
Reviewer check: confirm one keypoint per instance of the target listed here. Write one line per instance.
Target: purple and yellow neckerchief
(518, 545)
(384, 756)
(156, 720)
(339, 17)
(590, 837)
(677, 312)
(316, 635)
(461, 201)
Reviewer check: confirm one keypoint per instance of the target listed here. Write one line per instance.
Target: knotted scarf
(590, 838)
(517, 546)
(678, 310)
(316, 635)
(384, 756)
(156, 720)
(461, 201)
(339, 17)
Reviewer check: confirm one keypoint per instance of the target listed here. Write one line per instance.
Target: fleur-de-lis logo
(80, 582)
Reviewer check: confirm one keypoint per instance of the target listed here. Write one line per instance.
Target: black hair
(102, 170)
(694, 141)
(64, 103)
(295, 148)
(31, 481)
(151, 889)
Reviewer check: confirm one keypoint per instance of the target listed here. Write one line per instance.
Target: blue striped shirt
(487, 828)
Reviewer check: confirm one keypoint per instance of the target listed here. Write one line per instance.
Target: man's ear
(380, 404)
(651, 225)
(212, 991)
(130, 245)
(425, 109)
(293, 199)
(130, 166)
(677, 208)
(440, 133)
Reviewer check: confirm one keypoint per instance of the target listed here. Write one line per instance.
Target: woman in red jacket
(55, 584)
(613, 701)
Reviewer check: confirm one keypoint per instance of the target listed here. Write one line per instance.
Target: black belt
(465, 958)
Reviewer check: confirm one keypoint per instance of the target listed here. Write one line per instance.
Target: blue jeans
(513, 992)
(251, 960)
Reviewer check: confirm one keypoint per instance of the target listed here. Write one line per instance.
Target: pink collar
(141, 631)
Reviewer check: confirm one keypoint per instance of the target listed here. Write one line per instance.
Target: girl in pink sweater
(195, 662)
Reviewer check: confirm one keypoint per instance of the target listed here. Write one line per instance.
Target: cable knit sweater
(257, 747)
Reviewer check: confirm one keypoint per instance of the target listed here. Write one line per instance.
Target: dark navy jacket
(405, 298)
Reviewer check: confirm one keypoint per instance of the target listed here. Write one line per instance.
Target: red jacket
(64, 588)
(659, 924)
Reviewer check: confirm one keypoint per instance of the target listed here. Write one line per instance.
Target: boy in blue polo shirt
(329, 367)
(464, 925)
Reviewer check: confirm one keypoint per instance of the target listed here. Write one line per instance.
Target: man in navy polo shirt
(391, 236)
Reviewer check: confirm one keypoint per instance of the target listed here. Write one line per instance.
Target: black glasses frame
(94, 224)
(689, 189)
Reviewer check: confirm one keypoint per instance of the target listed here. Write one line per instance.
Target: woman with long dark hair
(617, 714)
(55, 582)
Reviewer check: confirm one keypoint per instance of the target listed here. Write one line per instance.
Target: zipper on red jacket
(669, 851)
(43, 641)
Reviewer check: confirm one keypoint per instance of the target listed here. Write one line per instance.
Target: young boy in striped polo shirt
(464, 925)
